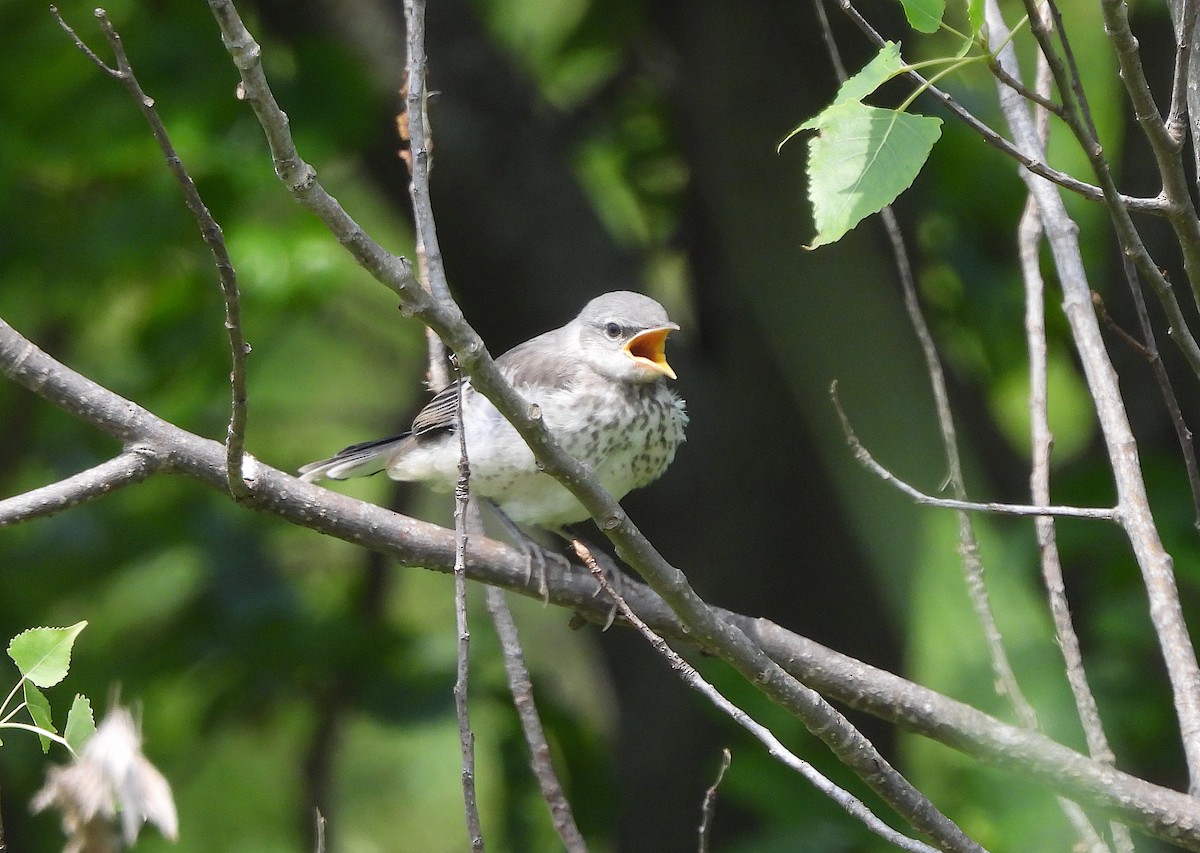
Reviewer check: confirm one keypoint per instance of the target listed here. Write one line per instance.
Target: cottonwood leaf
(924, 16)
(975, 16)
(81, 724)
(39, 709)
(883, 67)
(861, 159)
(44, 654)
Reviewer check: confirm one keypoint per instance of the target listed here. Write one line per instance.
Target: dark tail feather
(357, 460)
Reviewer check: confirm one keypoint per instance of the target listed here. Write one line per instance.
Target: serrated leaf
(81, 724)
(861, 159)
(39, 709)
(883, 67)
(924, 16)
(44, 654)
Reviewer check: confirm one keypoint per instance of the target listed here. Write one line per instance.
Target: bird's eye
(613, 330)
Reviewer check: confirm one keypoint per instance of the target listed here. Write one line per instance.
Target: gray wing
(537, 363)
(439, 413)
(542, 362)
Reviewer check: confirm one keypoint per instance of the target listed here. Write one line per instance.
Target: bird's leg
(536, 554)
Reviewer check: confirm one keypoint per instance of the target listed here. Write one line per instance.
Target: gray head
(622, 335)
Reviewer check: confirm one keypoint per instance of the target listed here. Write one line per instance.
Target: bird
(600, 382)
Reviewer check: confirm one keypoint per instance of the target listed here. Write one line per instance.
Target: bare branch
(132, 466)
(210, 231)
(1149, 351)
(1133, 509)
(298, 176)
(420, 159)
(1032, 95)
(1041, 440)
(868, 461)
(1177, 206)
(1164, 141)
(709, 805)
(775, 748)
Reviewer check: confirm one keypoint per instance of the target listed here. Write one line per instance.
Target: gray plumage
(600, 382)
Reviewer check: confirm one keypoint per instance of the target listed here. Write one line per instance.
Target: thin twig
(709, 806)
(521, 687)
(1032, 95)
(433, 281)
(868, 461)
(421, 149)
(775, 748)
(319, 820)
(439, 369)
(520, 684)
(130, 467)
(210, 232)
(973, 571)
(1165, 146)
(466, 737)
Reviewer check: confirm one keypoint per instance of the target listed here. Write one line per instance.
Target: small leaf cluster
(862, 157)
(43, 655)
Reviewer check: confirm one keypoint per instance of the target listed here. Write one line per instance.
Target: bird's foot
(536, 554)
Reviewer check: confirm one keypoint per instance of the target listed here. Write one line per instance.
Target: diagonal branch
(210, 231)
(851, 804)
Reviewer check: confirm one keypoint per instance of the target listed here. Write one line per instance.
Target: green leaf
(44, 654)
(975, 16)
(861, 159)
(39, 710)
(924, 16)
(81, 724)
(885, 65)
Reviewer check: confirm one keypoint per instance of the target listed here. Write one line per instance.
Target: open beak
(648, 349)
